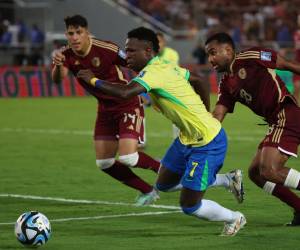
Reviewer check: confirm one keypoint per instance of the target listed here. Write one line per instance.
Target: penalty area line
(33, 197)
(103, 217)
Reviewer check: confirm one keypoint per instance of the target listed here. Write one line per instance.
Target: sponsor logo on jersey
(242, 73)
(77, 62)
(265, 56)
(96, 62)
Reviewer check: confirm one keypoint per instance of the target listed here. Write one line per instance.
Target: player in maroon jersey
(119, 123)
(250, 78)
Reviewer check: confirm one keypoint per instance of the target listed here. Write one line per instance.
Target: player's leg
(105, 155)
(106, 147)
(232, 181)
(192, 204)
(281, 192)
(173, 159)
(272, 168)
(204, 163)
(281, 143)
(129, 156)
(131, 130)
(172, 169)
(195, 176)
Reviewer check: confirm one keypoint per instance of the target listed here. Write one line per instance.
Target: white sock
(212, 211)
(292, 179)
(221, 180)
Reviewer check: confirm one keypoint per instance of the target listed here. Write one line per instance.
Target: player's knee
(267, 172)
(129, 160)
(190, 210)
(105, 163)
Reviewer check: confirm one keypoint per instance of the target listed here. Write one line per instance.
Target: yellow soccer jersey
(169, 55)
(173, 95)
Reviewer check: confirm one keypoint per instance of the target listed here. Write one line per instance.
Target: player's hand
(58, 58)
(86, 75)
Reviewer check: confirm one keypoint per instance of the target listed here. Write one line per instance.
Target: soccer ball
(33, 229)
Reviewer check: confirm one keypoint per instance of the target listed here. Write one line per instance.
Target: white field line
(104, 217)
(173, 209)
(33, 197)
(234, 135)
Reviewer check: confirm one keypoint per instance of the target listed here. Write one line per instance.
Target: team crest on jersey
(77, 62)
(242, 73)
(265, 56)
(96, 62)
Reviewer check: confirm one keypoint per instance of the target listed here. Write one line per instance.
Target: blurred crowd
(272, 23)
(27, 42)
(248, 21)
(269, 23)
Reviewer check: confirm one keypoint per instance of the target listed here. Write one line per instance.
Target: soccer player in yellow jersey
(165, 52)
(194, 158)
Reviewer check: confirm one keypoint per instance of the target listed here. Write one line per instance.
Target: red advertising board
(36, 82)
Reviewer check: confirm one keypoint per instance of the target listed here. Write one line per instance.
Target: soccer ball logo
(33, 229)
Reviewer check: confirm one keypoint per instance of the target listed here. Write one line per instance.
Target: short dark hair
(145, 34)
(221, 37)
(76, 21)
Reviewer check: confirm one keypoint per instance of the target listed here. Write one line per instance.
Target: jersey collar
(154, 59)
(231, 65)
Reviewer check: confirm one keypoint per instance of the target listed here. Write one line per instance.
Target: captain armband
(96, 82)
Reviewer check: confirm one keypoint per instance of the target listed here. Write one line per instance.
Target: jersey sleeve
(267, 57)
(148, 80)
(224, 97)
(185, 73)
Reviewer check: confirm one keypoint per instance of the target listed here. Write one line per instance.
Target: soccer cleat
(295, 221)
(236, 184)
(146, 199)
(231, 229)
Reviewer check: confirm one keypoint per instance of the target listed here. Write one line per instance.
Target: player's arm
(202, 88)
(220, 112)
(113, 89)
(284, 64)
(59, 71)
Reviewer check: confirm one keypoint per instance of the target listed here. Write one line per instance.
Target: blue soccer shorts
(198, 166)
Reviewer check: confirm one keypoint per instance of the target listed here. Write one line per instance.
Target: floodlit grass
(46, 150)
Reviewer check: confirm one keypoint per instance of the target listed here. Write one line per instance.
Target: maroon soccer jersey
(104, 59)
(254, 83)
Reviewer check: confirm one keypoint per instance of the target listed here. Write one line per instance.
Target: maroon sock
(147, 162)
(124, 174)
(287, 196)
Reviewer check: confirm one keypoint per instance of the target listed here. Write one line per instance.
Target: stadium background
(46, 151)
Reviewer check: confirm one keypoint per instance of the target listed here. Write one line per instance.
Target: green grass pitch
(46, 153)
